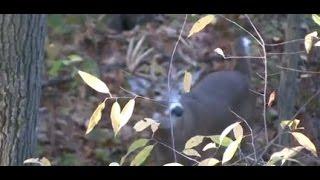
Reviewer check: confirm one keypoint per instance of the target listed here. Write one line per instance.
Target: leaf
(227, 130)
(272, 97)
(42, 162)
(126, 112)
(238, 131)
(95, 117)
(32, 160)
(154, 124)
(317, 43)
(194, 141)
(134, 146)
(120, 118)
(173, 164)
(305, 142)
(230, 151)
(209, 162)
(94, 82)
(114, 164)
(45, 162)
(141, 125)
(75, 58)
(187, 80)
(284, 154)
(292, 124)
(220, 52)
(201, 23)
(142, 156)
(115, 117)
(191, 152)
(316, 18)
(209, 146)
(225, 141)
(308, 40)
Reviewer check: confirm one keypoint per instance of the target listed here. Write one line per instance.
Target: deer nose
(177, 111)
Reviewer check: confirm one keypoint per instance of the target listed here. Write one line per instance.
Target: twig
(251, 132)
(241, 28)
(286, 42)
(296, 70)
(169, 85)
(243, 57)
(286, 53)
(306, 103)
(265, 77)
(174, 150)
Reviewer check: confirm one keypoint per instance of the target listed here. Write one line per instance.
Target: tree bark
(21, 57)
(288, 89)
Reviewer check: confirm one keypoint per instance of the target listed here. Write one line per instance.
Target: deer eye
(177, 111)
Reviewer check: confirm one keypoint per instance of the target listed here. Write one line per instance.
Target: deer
(210, 106)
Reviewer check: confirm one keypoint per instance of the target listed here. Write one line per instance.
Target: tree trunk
(21, 57)
(288, 80)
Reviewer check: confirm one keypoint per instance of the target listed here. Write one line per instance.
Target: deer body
(206, 109)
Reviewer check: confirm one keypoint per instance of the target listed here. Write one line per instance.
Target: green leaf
(134, 146)
(225, 141)
(316, 18)
(142, 156)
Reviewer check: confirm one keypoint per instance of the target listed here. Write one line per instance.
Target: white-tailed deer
(206, 109)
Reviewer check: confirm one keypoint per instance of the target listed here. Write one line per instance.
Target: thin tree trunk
(288, 80)
(21, 57)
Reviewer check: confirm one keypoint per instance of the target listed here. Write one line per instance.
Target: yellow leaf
(292, 124)
(115, 117)
(42, 162)
(187, 80)
(95, 117)
(202, 23)
(272, 97)
(209, 162)
(45, 162)
(305, 142)
(227, 130)
(284, 154)
(209, 146)
(154, 124)
(308, 40)
(114, 164)
(191, 152)
(238, 131)
(220, 52)
(194, 141)
(230, 151)
(173, 164)
(94, 82)
(126, 112)
(141, 125)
